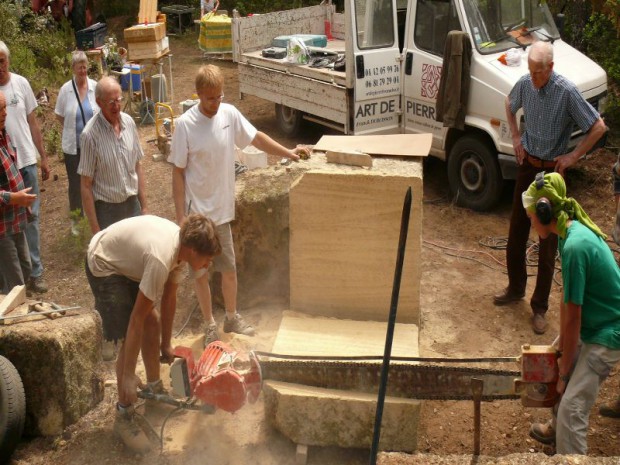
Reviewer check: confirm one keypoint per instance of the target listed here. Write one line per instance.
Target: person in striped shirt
(111, 177)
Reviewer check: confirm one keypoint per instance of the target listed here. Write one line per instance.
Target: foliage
(53, 141)
(74, 247)
(39, 46)
(594, 28)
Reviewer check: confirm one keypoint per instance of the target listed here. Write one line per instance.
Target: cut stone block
(345, 227)
(58, 362)
(301, 334)
(16, 297)
(325, 417)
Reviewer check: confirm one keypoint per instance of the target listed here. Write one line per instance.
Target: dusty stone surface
(345, 225)
(59, 363)
(329, 417)
(395, 458)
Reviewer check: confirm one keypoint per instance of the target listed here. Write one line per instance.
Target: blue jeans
(30, 175)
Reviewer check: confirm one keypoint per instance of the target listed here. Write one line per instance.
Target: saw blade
(409, 380)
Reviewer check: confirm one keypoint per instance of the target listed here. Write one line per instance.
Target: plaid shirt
(13, 218)
(550, 113)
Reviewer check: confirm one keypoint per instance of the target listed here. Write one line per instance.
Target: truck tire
(289, 119)
(12, 409)
(473, 173)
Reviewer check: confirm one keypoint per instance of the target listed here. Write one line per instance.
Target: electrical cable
(189, 317)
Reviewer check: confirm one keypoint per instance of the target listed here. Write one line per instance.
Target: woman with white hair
(75, 106)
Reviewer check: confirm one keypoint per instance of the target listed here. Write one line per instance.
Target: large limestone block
(58, 361)
(345, 225)
(301, 334)
(325, 417)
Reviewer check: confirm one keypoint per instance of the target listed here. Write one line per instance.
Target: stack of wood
(147, 39)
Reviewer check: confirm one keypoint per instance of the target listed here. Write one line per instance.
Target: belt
(538, 163)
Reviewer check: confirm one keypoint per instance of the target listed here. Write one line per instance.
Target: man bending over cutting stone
(131, 266)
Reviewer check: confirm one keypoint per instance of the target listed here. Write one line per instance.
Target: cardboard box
(148, 50)
(145, 33)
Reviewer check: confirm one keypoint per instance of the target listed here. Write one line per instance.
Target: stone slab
(15, 297)
(398, 458)
(301, 334)
(326, 417)
(344, 234)
(59, 364)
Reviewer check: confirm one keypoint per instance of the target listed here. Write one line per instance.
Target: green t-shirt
(591, 279)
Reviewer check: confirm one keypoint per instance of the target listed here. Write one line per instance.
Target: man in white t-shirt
(131, 266)
(203, 181)
(23, 128)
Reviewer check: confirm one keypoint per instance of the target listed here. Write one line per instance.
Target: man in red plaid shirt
(15, 202)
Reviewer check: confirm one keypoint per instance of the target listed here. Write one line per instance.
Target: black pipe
(404, 228)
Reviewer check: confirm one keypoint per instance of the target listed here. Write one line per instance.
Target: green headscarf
(564, 208)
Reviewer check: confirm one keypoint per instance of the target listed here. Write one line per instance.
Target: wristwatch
(565, 378)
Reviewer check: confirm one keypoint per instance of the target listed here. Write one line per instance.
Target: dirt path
(458, 318)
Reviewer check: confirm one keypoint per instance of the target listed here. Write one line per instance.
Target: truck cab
(394, 58)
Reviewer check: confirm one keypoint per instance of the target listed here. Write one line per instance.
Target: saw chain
(407, 376)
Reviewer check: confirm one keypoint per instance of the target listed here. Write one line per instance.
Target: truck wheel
(474, 174)
(289, 119)
(12, 409)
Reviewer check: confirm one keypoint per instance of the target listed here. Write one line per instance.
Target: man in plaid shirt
(15, 202)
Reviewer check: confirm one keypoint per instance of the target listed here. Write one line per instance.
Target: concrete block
(325, 417)
(59, 364)
(345, 226)
(301, 454)
(353, 158)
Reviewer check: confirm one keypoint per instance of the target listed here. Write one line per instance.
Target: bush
(39, 45)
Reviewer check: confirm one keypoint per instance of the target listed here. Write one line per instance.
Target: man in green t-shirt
(589, 341)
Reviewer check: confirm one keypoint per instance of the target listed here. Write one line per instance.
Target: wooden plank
(147, 12)
(353, 158)
(16, 297)
(405, 145)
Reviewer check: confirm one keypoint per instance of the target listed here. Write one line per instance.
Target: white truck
(394, 54)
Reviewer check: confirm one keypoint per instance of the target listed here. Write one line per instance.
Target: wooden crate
(145, 33)
(148, 50)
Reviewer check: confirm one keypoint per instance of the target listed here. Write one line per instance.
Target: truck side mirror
(559, 22)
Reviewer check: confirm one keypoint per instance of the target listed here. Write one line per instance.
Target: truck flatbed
(335, 47)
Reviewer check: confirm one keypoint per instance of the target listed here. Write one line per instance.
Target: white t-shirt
(207, 5)
(205, 148)
(67, 107)
(20, 102)
(143, 248)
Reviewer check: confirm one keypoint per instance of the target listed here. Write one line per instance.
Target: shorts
(115, 297)
(225, 262)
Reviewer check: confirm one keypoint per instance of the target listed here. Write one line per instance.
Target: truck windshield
(374, 23)
(497, 26)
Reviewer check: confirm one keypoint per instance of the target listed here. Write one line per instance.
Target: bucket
(136, 81)
(159, 88)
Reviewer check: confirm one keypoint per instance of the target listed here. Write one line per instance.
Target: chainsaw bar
(410, 380)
